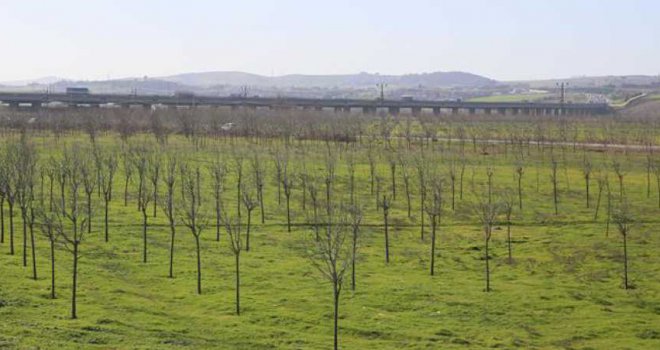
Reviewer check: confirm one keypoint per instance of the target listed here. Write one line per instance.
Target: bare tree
(586, 171)
(109, 168)
(520, 171)
(355, 215)
(169, 179)
(218, 173)
(620, 173)
(233, 227)
(434, 210)
(52, 227)
(89, 185)
(154, 176)
(507, 208)
(192, 217)
(487, 212)
(555, 180)
(250, 204)
(406, 184)
(287, 183)
(144, 198)
(331, 255)
(259, 171)
(623, 219)
(74, 213)
(128, 173)
(386, 212)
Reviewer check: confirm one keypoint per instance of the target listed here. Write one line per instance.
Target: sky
(500, 39)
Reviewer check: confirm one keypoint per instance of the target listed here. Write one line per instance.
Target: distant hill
(429, 80)
(600, 81)
(38, 81)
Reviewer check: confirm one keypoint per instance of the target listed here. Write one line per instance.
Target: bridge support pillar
(35, 105)
(454, 110)
(393, 110)
(472, 110)
(368, 110)
(501, 111)
(437, 111)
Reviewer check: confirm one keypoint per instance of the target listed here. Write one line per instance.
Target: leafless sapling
(192, 217)
(623, 219)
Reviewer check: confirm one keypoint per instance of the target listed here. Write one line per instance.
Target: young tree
(586, 170)
(169, 179)
(52, 227)
(434, 210)
(386, 212)
(623, 219)
(355, 215)
(250, 204)
(489, 173)
(218, 172)
(154, 176)
(24, 160)
(520, 170)
(106, 179)
(507, 208)
(74, 213)
(145, 196)
(233, 227)
(620, 173)
(331, 255)
(422, 169)
(287, 183)
(89, 185)
(128, 173)
(192, 217)
(406, 184)
(259, 171)
(553, 177)
(392, 161)
(3, 195)
(487, 212)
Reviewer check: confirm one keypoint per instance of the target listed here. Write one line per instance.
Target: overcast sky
(501, 39)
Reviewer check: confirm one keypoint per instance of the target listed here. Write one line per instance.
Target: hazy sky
(501, 39)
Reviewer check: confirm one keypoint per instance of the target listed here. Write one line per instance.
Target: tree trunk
(75, 280)
(487, 266)
(336, 317)
(89, 213)
(2, 219)
(433, 227)
(247, 232)
(172, 229)
(217, 217)
(238, 285)
(52, 268)
(105, 214)
(11, 229)
(34, 256)
(520, 201)
(387, 240)
(586, 179)
(508, 239)
(144, 235)
(288, 214)
(199, 266)
(422, 197)
(353, 259)
(24, 217)
(625, 262)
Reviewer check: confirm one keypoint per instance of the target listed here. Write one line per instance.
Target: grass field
(563, 291)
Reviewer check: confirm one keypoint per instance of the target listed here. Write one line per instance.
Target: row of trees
(60, 195)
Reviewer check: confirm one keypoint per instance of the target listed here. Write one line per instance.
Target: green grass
(563, 290)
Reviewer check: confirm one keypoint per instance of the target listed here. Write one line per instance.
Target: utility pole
(562, 96)
(382, 86)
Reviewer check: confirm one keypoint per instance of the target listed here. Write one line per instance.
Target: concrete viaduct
(40, 100)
